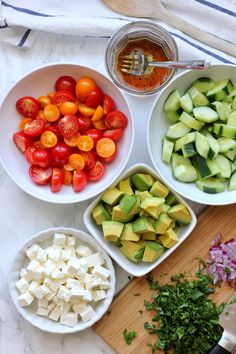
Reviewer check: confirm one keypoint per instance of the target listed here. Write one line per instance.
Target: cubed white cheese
(51, 306)
(39, 273)
(49, 266)
(87, 314)
(24, 273)
(79, 307)
(42, 303)
(64, 293)
(22, 285)
(59, 239)
(93, 283)
(87, 296)
(70, 241)
(41, 292)
(105, 284)
(83, 251)
(66, 255)
(33, 287)
(32, 251)
(100, 271)
(42, 311)
(32, 266)
(94, 259)
(73, 266)
(54, 254)
(41, 255)
(51, 294)
(81, 275)
(55, 314)
(25, 299)
(64, 307)
(77, 292)
(55, 285)
(57, 274)
(98, 295)
(69, 319)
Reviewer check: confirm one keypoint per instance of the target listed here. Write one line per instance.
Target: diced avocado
(169, 239)
(142, 181)
(112, 196)
(127, 202)
(125, 186)
(133, 250)
(149, 236)
(152, 251)
(180, 213)
(112, 230)
(158, 189)
(143, 213)
(128, 234)
(153, 206)
(165, 208)
(119, 215)
(170, 199)
(162, 223)
(142, 225)
(100, 214)
(108, 208)
(143, 194)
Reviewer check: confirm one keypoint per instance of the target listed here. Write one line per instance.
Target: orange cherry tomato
(73, 140)
(105, 147)
(84, 86)
(51, 112)
(51, 94)
(76, 161)
(86, 111)
(67, 177)
(100, 124)
(38, 144)
(23, 123)
(41, 115)
(68, 167)
(68, 108)
(48, 139)
(85, 143)
(44, 100)
(98, 114)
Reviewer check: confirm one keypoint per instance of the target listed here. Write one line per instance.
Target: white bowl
(40, 82)
(158, 125)
(44, 238)
(142, 268)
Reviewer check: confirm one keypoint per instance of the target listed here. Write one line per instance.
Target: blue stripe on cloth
(27, 11)
(217, 7)
(24, 38)
(208, 52)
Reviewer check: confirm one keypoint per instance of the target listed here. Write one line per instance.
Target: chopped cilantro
(129, 336)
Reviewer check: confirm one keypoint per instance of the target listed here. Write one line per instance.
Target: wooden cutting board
(124, 311)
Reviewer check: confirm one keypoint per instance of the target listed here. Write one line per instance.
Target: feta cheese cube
(25, 299)
(94, 259)
(83, 251)
(32, 251)
(41, 292)
(42, 311)
(55, 285)
(66, 255)
(64, 293)
(33, 287)
(69, 319)
(55, 314)
(22, 285)
(47, 282)
(32, 266)
(87, 296)
(73, 283)
(57, 274)
(70, 240)
(64, 307)
(77, 292)
(87, 314)
(100, 271)
(70, 249)
(94, 283)
(50, 296)
(51, 306)
(38, 274)
(49, 267)
(79, 307)
(73, 266)
(54, 254)
(24, 273)
(42, 303)
(59, 239)
(98, 295)
(42, 255)
(104, 284)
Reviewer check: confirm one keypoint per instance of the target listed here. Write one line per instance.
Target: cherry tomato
(51, 113)
(114, 134)
(60, 154)
(57, 180)
(62, 96)
(108, 104)
(41, 158)
(80, 180)
(109, 159)
(98, 114)
(85, 143)
(54, 129)
(89, 159)
(23, 123)
(22, 141)
(44, 100)
(68, 108)
(84, 123)
(65, 83)
(105, 147)
(38, 145)
(48, 139)
(67, 177)
(28, 107)
(73, 140)
(95, 134)
(76, 161)
(68, 125)
(117, 119)
(40, 175)
(85, 110)
(100, 124)
(28, 154)
(84, 86)
(34, 127)
(94, 98)
(96, 172)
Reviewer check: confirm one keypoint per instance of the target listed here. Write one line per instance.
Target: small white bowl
(158, 125)
(142, 268)
(44, 238)
(40, 82)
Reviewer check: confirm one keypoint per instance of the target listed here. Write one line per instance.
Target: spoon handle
(190, 64)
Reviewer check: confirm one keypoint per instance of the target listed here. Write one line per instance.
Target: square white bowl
(142, 268)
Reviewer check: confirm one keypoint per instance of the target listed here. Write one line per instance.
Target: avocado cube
(133, 250)
(128, 234)
(142, 225)
(165, 208)
(162, 223)
(142, 181)
(180, 213)
(100, 214)
(125, 186)
(170, 199)
(112, 230)
(143, 194)
(118, 215)
(153, 206)
(152, 251)
(169, 239)
(151, 236)
(112, 196)
(158, 189)
(127, 203)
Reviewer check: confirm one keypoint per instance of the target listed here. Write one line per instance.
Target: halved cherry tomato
(109, 159)
(76, 161)
(28, 107)
(48, 139)
(68, 108)
(95, 134)
(68, 167)
(84, 123)
(34, 127)
(41, 158)
(68, 125)
(100, 124)
(38, 145)
(84, 86)
(54, 129)
(22, 141)
(105, 147)
(62, 96)
(73, 140)
(96, 172)
(57, 179)
(85, 110)
(65, 83)
(29, 153)
(80, 180)
(67, 177)
(94, 98)
(108, 104)
(98, 114)
(44, 100)
(60, 154)
(114, 134)
(85, 143)
(41, 115)
(117, 119)
(40, 175)
(51, 112)
(23, 123)
(89, 159)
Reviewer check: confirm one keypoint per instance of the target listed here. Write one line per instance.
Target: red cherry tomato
(57, 180)
(29, 154)
(84, 86)
(65, 83)
(108, 104)
(117, 119)
(84, 123)
(60, 154)
(89, 159)
(68, 126)
(94, 98)
(79, 181)
(22, 141)
(41, 158)
(40, 175)
(114, 134)
(28, 107)
(62, 96)
(95, 134)
(54, 129)
(96, 172)
(109, 159)
(34, 127)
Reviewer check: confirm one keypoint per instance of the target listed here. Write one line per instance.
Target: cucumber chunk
(205, 114)
(178, 160)
(214, 147)
(186, 103)
(220, 108)
(189, 150)
(210, 185)
(172, 102)
(224, 166)
(226, 144)
(204, 84)
(202, 145)
(205, 168)
(185, 173)
(232, 119)
(190, 121)
(218, 92)
(177, 130)
(198, 98)
(173, 116)
(188, 138)
(232, 182)
(227, 131)
(167, 150)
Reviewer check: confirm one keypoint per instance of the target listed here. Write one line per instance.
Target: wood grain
(124, 311)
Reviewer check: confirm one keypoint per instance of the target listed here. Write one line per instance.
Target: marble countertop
(21, 215)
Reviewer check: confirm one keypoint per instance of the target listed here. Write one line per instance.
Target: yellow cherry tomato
(73, 140)
(76, 161)
(44, 100)
(48, 139)
(85, 143)
(51, 112)
(68, 108)
(85, 110)
(98, 114)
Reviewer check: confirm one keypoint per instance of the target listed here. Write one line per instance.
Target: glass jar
(137, 34)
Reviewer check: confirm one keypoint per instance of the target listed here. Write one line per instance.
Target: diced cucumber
(198, 98)
(177, 130)
(190, 121)
(233, 92)
(224, 166)
(224, 130)
(229, 87)
(189, 150)
(232, 119)
(210, 185)
(202, 145)
(234, 104)
(172, 102)
(232, 182)
(188, 138)
(214, 147)
(205, 168)
(226, 144)
(177, 160)
(220, 109)
(173, 116)
(230, 154)
(186, 103)
(218, 92)
(185, 173)
(204, 84)
(228, 109)
(167, 150)
(233, 166)
(205, 114)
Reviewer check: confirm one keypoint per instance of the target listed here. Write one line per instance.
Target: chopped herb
(129, 336)
(137, 294)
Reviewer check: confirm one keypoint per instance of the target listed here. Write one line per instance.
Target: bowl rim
(38, 238)
(126, 158)
(168, 183)
(118, 258)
